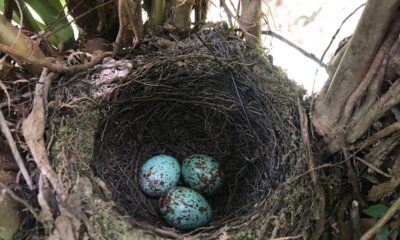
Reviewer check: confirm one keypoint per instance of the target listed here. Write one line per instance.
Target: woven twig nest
(215, 96)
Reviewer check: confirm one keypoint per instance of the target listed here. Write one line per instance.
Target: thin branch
(382, 221)
(338, 30)
(320, 193)
(13, 146)
(373, 167)
(302, 51)
(378, 135)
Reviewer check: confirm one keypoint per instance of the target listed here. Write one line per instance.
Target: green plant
(377, 211)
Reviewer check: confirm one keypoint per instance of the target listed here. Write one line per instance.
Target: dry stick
(382, 221)
(353, 177)
(338, 30)
(378, 135)
(33, 128)
(373, 167)
(13, 146)
(311, 162)
(54, 67)
(302, 51)
(4, 88)
(391, 98)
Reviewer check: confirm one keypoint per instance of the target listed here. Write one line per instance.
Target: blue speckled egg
(185, 209)
(158, 175)
(202, 173)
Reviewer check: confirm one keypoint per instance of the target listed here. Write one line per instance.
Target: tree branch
(359, 126)
(53, 67)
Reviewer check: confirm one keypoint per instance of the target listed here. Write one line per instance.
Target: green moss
(108, 225)
(76, 133)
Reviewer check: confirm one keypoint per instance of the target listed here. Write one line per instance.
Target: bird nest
(209, 94)
(212, 95)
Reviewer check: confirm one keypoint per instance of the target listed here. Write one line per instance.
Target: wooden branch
(369, 33)
(33, 128)
(371, 166)
(54, 67)
(291, 44)
(390, 99)
(21, 44)
(385, 189)
(13, 146)
(320, 193)
(394, 127)
(382, 221)
(338, 30)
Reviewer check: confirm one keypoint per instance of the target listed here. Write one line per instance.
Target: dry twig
(311, 162)
(33, 128)
(13, 146)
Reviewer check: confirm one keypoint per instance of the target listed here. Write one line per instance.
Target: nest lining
(225, 100)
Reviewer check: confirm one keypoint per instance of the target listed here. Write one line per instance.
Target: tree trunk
(250, 21)
(353, 99)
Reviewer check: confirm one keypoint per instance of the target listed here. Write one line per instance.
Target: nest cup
(225, 100)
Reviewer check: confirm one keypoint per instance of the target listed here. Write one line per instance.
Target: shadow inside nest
(231, 104)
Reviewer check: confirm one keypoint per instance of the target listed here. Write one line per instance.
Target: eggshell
(185, 209)
(159, 174)
(202, 173)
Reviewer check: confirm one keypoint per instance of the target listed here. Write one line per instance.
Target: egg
(159, 174)
(202, 173)
(185, 209)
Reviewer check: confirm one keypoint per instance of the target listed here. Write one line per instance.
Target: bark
(352, 99)
(182, 11)
(156, 14)
(357, 58)
(250, 21)
(22, 44)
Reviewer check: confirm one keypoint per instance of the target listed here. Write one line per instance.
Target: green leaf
(383, 234)
(53, 14)
(376, 211)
